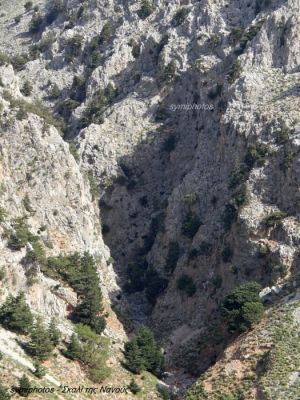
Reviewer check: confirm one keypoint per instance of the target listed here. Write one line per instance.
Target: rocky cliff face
(183, 118)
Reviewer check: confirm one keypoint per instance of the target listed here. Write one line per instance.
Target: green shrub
(15, 314)
(94, 188)
(170, 71)
(20, 236)
(288, 158)
(73, 47)
(81, 10)
(43, 45)
(57, 7)
(146, 9)
(78, 89)
(180, 16)
(215, 39)
(242, 307)
(2, 274)
(106, 33)
(31, 275)
(74, 152)
(136, 48)
(190, 198)
(161, 113)
(3, 215)
(28, 5)
(21, 114)
(134, 387)
(19, 61)
(235, 71)
(170, 143)
(172, 256)
(98, 374)
(27, 205)
(164, 392)
(256, 153)
(54, 92)
(36, 23)
(273, 219)
(25, 386)
(4, 59)
(237, 174)
(251, 32)
(36, 253)
(282, 134)
(73, 350)
(40, 345)
(186, 284)
(94, 59)
(4, 395)
(18, 19)
(191, 224)
(26, 88)
(94, 112)
(91, 350)
(40, 371)
(143, 352)
(37, 109)
(236, 34)
(242, 196)
(65, 108)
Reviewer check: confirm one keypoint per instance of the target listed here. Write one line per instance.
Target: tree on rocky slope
(143, 352)
(87, 284)
(242, 307)
(54, 333)
(80, 273)
(40, 345)
(133, 356)
(73, 348)
(15, 314)
(91, 350)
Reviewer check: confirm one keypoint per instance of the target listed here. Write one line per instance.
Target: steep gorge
(187, 133)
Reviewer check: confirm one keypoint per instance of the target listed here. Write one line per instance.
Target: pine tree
(133, 357)
(16, 315)
(242, 307)
(149, 349)
(86, 284)
(24, 386)
(54, 333)
(40, 345)
(143, 353)
(73, 350)
(4, 395)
